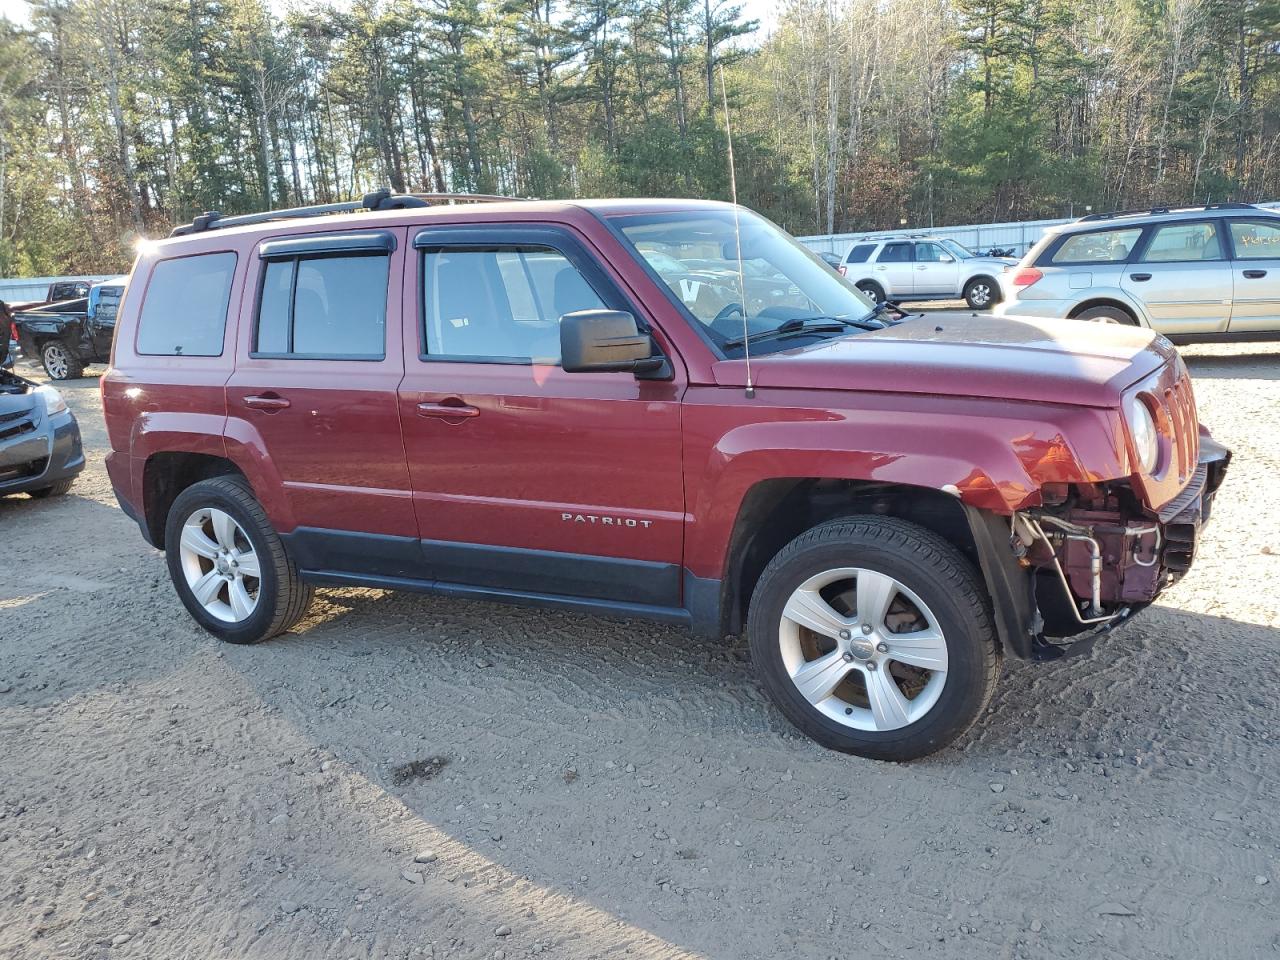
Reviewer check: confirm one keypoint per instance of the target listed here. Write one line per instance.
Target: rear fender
(246, 448)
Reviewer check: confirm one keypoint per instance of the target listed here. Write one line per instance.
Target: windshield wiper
(801, 326)
(877, 315)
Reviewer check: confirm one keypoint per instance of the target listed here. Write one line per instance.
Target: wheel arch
(776, 511)
(166, 474)
(1109, 300)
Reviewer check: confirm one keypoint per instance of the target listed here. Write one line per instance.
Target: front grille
(32, 469)
(1181, 406)
(10, 430)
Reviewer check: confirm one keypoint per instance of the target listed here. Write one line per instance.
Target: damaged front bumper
(1100, 559)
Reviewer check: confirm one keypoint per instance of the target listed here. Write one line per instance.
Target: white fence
(25, 289)
(1020, 235)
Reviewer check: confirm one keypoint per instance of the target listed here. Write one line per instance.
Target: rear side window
(1256, 239)
(1104, 246)
(1177, 242)
(860, 253)
(895, 253)
(185, 310)
(323, 308)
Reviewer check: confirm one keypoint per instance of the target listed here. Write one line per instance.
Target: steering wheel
(727, 311)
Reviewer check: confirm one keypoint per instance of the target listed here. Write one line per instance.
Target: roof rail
(382, 199)
(1156, 211)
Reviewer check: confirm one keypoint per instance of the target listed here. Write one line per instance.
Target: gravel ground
(417, 777)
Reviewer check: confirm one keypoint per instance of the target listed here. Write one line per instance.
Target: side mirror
(946, 258)
(605, 340)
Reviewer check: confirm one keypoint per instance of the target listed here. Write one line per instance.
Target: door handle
(1140, 277)
(268, 401)
(457, 410)
(1255, 274)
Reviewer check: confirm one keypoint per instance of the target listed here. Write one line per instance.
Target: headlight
(53, 402)
(1142, 428)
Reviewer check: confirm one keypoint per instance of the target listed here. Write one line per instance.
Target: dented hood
(1013, 358)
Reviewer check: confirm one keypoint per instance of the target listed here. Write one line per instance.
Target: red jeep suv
(660, 409)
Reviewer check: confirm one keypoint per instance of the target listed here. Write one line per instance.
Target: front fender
(995, 462)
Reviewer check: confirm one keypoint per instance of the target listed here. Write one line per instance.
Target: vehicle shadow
(1259, 364)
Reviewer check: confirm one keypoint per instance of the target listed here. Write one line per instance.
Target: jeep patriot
(661, 409)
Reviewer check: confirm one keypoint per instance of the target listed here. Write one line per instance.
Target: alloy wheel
(980, 295)
(863, 649)
(55, 361)
(220, 565)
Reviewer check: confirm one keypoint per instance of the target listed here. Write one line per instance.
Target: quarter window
(895, 253)
(324, 308)
(1104, 246)
(1176, 242)
(185, 310)
(860, 253)
(1255, 240)
(500, 303)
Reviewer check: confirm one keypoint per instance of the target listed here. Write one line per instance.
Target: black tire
(981, 293)
(872, 290)
(928, 566)
(283, 598)
(60, 361)
(53, 490)
(1108, 315)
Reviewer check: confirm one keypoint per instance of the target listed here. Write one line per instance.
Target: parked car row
(40, 448)
(69, 335)
(923, 267)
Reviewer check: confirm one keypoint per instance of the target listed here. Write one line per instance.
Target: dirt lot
(590, 788)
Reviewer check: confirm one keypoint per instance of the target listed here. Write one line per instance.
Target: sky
(763, 10)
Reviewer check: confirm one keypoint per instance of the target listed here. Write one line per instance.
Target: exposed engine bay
(1100, 555)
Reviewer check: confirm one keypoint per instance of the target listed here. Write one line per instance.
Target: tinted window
(108, 303)
(1105, 246)
(1183, 241)
(324, 308)
(860, 253)
(503, 303)
(185, 310)
(895, 253)
(1256, 239)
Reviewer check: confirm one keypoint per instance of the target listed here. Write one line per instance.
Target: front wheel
(58, 489)
(59, 362)
(873, 636)
(981, 292)
(228, 565)
(873, 291)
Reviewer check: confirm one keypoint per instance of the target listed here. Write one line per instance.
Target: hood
(993, 261)
(1003, 358)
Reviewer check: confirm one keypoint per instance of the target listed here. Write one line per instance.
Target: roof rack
(1155, 211)
(382, 199)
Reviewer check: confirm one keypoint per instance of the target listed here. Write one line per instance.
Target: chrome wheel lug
(845, 634)
(882, 647)
(871, 664)
(866, 628)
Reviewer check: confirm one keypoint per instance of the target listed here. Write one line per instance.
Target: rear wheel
(873, 636)
(59, 362)
(1108, 315)
(873, 290)
(981, 292)
(228, 565)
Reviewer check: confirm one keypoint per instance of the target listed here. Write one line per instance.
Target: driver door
(936, 270)
(527, 478)
(893, 270)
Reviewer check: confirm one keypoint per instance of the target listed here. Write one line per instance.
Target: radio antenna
(737, 237)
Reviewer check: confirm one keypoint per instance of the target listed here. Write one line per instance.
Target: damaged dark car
(40, 449)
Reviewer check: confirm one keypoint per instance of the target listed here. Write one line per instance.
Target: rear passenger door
(1182, 275)
(893, 269)
(1255, 268)
(525, 477)
(314, 396)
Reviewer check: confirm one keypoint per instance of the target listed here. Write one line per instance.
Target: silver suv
(921, 267)
(1195, 274)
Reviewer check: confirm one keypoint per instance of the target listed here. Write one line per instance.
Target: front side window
(895, 253)
(1103, 246)
(500, 303)
(778, 282)
(323, 308)
(1256, 239)
(1177, 242)
(860, 253)
(932, 253)
(184, 312)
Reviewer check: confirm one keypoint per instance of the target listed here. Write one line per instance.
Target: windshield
(961, 252)
(695, 254)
